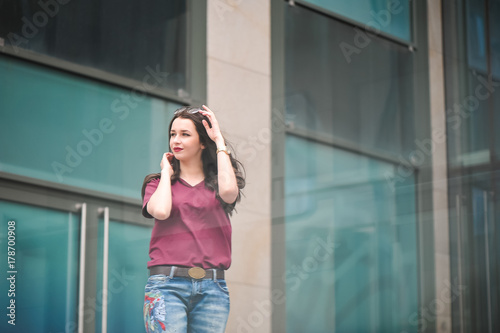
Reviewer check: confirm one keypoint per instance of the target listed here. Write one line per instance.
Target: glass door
(122, 256)
(474, 253)
(72, 262)
(482, 254)
(40, 250)
(351, 242)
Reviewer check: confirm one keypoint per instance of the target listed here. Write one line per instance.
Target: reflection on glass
(473, 148)
(494, 13)
(46, 261)
(392, 17)
(79, 133)
(469, 125)
(127, 276)
(476, 35)
(471, 108)
(494, 31)
(115, 36)
(474, 251)
(364, 97)
(351, 260)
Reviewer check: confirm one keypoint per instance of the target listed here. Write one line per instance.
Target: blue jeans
(185, 305)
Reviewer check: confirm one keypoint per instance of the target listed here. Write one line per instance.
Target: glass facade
(351, 248)
(365, 99)
(44, 279)
(392, 17)
(472, 53)
(70, 127)
(358, 248)
(351, 231)
(100, 35)
(84, 136)
(71, 145)
(127, 254)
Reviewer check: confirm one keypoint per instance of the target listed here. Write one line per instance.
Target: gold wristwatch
(224, 149)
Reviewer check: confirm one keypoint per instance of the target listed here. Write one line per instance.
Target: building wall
(420, 257)
(238, 89)
(439, 163)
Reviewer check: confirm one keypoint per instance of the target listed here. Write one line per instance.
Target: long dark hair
(208, 157)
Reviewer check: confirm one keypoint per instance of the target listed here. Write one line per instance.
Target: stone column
(441, 305)
(239, 93)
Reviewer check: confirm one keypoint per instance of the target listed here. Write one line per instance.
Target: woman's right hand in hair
(160, 203)
(166, 163)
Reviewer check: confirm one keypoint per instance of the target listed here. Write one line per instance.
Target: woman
(190, 249)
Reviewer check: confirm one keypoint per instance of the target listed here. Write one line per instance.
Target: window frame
(425, 254)
(195, 71)
(412, 44)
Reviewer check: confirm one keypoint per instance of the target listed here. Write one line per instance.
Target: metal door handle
(105, 253)
(458, 204)
(83, 242)
(487, 254)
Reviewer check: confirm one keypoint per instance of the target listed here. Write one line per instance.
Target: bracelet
(224, 149)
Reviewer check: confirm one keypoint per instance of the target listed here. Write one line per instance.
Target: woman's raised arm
(160, 203)
(228, 186)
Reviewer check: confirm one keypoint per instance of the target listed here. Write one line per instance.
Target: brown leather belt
(193, 272)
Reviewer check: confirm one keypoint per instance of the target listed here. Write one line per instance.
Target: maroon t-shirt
(197, 232)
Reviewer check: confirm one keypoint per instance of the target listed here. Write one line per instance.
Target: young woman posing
(190, 248)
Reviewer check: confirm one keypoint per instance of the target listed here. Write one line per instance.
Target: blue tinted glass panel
(364, 98)
(74, 131)
(114, 36)
(476, 35)
(46, 261)
(127, 276)
(496, 115)
(494, 13)
(494, 7)
(470, 120)
(351, 252)
(392, 17)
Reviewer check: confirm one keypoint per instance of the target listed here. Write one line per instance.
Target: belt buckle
(197, 273)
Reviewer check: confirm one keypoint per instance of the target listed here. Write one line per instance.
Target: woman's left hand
(214, 132)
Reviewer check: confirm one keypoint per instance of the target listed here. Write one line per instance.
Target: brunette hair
(208, 157)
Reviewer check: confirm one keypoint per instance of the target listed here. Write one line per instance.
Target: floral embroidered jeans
(185, 305)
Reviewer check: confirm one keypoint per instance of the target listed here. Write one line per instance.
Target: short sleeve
(150, 189)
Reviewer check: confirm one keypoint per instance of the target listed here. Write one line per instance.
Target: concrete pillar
(442, 304)
(239, 93)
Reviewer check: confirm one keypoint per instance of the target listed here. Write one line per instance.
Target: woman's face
(184, 140)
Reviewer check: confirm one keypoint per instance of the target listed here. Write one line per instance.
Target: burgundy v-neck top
(197, 232)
